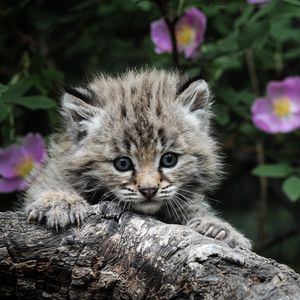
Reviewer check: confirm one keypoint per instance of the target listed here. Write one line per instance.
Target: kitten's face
(142, 142)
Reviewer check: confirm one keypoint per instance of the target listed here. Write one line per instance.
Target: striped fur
(141, 115)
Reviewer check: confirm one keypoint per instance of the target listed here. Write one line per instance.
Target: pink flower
(189, 29)
(279, 112)
(18, 162)
(258, 2)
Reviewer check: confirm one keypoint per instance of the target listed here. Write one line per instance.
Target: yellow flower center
(282, 107)
(184, 35)
(25, 167)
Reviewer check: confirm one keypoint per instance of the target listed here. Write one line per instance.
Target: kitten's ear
(78, 110)
(75, 104)
(194, 94)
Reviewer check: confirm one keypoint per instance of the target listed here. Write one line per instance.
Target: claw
(31, 216)
(209, 231)
(221, 235)
(40, 217)
(78, 222)
(56, 226)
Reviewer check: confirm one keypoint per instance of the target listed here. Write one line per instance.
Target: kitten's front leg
(59, 208)
(216, 228)
(52, 199)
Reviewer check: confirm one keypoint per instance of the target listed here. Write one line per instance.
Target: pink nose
(148, 192)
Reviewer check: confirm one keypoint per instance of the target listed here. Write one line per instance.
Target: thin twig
(252, 71)
(263, 203)
(278, 239)
(263, 181)
(171, 24)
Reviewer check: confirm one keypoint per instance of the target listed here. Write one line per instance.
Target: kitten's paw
(60, 209)
(219, 230)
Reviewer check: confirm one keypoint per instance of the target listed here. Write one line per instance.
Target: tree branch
(120, 255)
(171, 24)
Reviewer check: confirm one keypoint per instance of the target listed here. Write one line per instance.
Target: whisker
(106, 195)
(198, 194)
(170, 201)
(212, 199)
(113, 201)
(182, 209)
(190, 192)
(168, 211)
(188, 203)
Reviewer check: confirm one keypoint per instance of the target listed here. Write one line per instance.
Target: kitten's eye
(168, 160)
(123, 164)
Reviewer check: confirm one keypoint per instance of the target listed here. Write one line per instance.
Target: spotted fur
(141, 115)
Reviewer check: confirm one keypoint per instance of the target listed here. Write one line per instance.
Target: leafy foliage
(291, 187)
(273, 170)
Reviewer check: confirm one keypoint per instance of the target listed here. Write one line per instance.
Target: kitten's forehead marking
(123, 111)
(142, 113)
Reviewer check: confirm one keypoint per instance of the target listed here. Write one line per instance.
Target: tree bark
(121, 255)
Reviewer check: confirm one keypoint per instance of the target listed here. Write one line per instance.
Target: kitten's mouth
(147, 206)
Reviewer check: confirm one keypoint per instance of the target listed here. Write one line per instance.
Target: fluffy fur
(140, 115)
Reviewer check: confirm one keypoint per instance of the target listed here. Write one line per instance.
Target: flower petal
(160, 36)
(262, 122)
(271, 124)
(290, 123)
(189, 51)
(261, 105)
(280, 111)
(9, 159)
(257, 1)
(34, 146)
(196, 20)
(290, 87)
(10, 185)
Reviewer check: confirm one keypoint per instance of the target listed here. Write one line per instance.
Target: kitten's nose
(148, 192)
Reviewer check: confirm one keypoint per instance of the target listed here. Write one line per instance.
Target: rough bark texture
(120, 255)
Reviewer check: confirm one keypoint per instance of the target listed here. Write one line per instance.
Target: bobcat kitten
(141, 139)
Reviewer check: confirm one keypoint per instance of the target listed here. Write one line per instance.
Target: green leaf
(272, 170)
(282, 31)
(243, 19)
(229, 96)
(53, 74)
(34, 102)
(83, 5)
(17, 90)
(247, 128)
(264, 12)
(292, 53)
(255, 34)
(3, 88)
(146, 5)
(294, 2)
(4, 111)
(223, 118)
(291, 187)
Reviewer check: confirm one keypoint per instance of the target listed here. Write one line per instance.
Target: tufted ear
(77, 111)
(194, 94)
(76, 104)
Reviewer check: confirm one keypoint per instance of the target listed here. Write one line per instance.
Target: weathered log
(120, 255)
